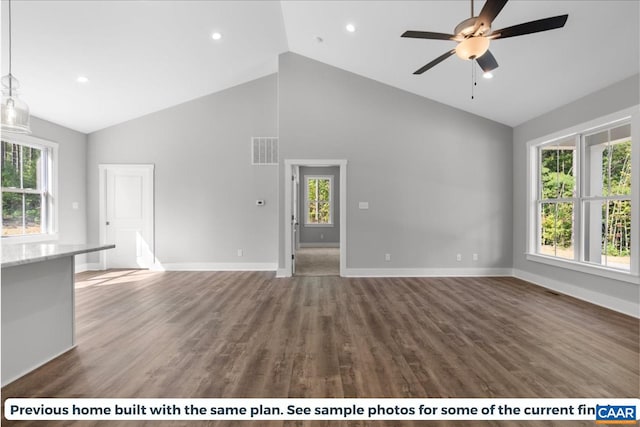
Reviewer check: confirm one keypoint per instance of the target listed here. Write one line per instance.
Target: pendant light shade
(15, 112)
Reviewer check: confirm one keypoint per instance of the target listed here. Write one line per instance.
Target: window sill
(34, 238)
(318, 225)
(585, 268)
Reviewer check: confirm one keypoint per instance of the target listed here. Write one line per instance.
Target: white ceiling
(143, 56)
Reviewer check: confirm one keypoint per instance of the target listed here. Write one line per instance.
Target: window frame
(330, 178)
(579, 199)
(50, 187)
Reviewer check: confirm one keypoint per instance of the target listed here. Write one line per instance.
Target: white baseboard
(426, 272)
(627, 307)
(88, 266)
(416, 272)
(216, 266)
(320, 245)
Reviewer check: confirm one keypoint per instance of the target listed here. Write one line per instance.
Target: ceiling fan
(474, 35)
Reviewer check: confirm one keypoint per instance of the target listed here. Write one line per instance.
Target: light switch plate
(363, 205)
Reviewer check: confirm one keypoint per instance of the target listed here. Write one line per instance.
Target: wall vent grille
(264, 150)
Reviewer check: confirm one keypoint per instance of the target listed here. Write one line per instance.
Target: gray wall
(609, 100)
(205, 185)
(438, 180)
(320, 234)
(72, 178)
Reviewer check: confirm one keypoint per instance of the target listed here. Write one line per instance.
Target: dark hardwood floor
(247, 334)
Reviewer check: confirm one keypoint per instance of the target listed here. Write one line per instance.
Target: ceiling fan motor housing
(468, 28)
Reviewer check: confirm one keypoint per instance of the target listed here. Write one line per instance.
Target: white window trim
(52, 178)
(306, 200)
(633, 276)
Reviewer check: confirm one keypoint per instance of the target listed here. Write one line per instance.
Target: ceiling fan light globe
(472, 48)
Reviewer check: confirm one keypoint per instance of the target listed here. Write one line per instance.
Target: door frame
(289, 164)
(295, 215)
(102, 205)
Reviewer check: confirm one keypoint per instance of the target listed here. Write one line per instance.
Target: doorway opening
(317, 261)
(315, 217)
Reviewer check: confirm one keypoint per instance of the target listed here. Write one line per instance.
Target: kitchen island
(38, 303)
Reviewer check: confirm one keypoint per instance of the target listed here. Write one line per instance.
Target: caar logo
(610, 414)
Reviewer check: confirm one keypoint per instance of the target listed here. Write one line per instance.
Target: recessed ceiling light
(82, 79)
(216, 36)
(351, 28)
(488, 75)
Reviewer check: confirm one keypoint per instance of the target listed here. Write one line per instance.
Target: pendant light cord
(10, 75)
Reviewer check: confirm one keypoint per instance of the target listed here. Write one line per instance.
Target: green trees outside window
(558, 185)
(318, 200)
(22, 189)
(616, 165)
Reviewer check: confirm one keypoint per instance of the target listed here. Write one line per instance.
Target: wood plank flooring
(247, 334)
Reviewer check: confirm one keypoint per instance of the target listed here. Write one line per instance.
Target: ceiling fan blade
(489, 11)
(427, 35)
(531, 27)
(487, 62)
(436, 61)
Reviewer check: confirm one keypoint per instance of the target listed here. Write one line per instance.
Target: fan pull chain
(474, 82)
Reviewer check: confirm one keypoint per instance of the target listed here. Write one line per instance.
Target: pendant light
(15, 112)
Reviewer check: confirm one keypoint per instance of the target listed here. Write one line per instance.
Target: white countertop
(26, 253)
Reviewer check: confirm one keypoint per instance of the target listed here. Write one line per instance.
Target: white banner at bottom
(622, 411)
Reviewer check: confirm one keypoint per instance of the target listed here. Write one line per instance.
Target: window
(27, 187)
(318, 200)
(607, 197)
(557, 191)
(582, 200)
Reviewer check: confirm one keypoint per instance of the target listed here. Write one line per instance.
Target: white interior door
(127, 208)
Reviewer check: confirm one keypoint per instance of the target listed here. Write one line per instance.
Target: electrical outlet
(387, 257)
(321, 236)
(459, 257)
(240, 252)
(475, 257)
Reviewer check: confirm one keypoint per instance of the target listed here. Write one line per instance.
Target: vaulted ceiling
(143, 56)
